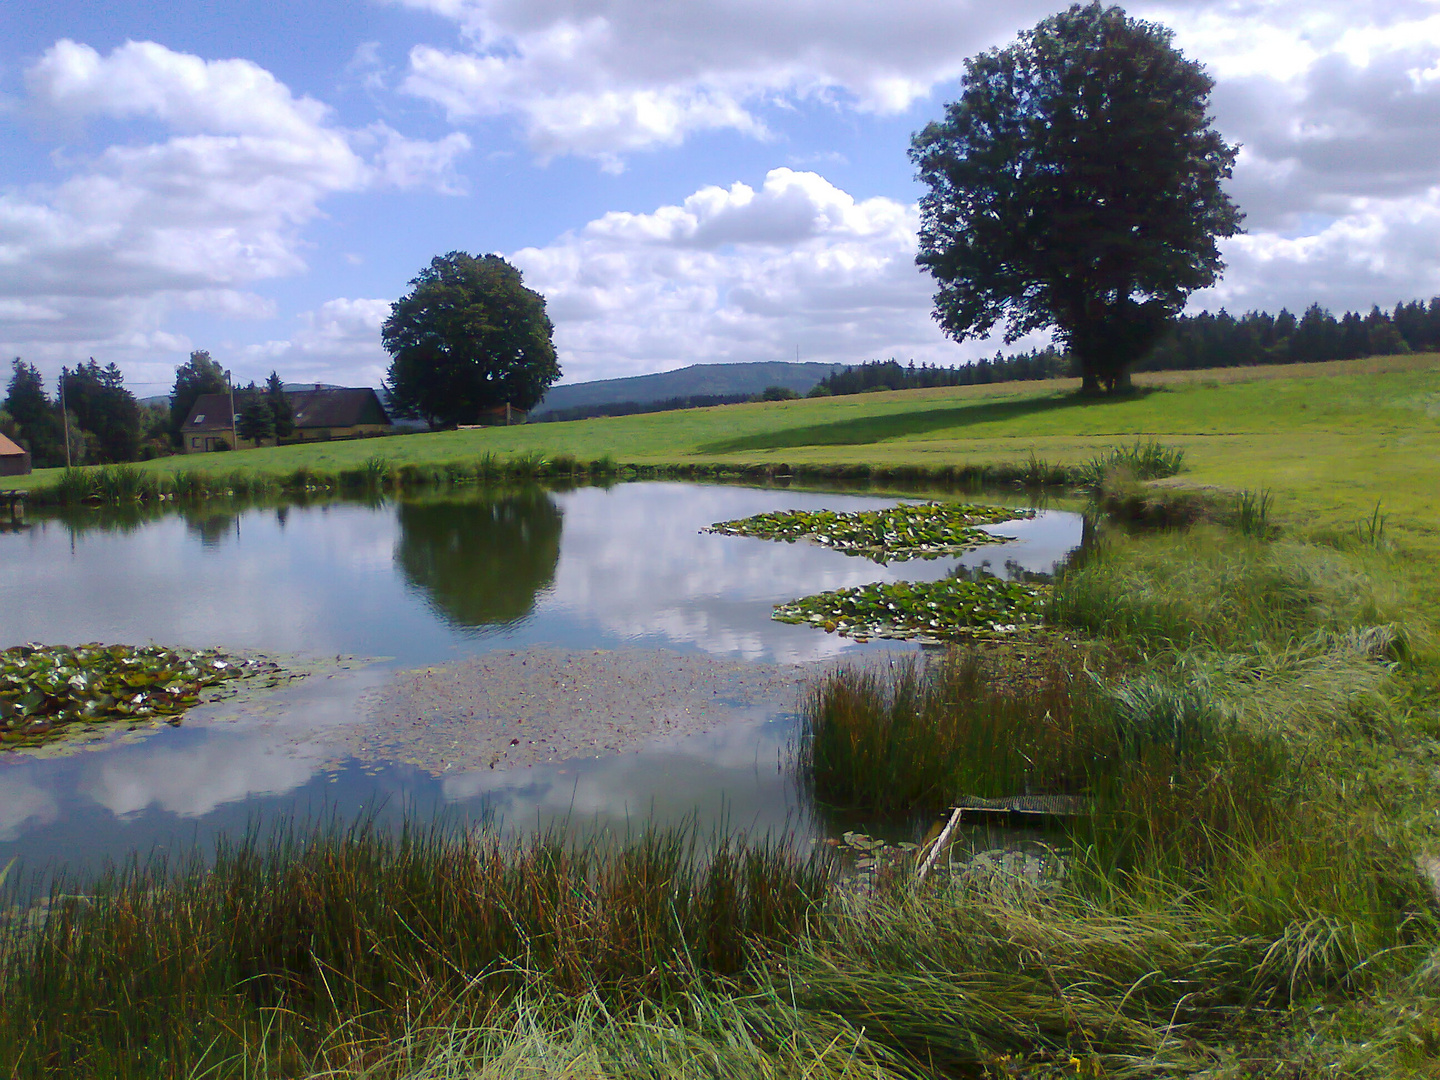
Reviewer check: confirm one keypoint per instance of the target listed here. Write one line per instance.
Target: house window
(194, 443)
(200, 419)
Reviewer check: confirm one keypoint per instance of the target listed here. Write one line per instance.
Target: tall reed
(912, 738)
(1252, 513)
(302, 933)
(75, 485)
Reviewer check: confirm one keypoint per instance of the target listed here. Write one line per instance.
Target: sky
(704, 181)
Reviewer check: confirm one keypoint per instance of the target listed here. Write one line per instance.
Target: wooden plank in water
(1024, 806)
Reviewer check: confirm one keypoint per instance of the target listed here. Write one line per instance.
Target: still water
(416, 582)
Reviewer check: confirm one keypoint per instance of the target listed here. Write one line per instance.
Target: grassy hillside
(1334, 437)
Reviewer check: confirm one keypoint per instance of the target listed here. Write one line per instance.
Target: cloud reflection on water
(422, 583)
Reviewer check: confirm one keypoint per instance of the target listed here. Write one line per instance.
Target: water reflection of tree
(211, 527)
(481, 562)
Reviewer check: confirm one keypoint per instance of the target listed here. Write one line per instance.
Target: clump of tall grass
(1145, 980)
(911, 738)
(1149, 460)
(189, 485)
(1252, 513)
(489, 467)
(1371, 530)
(314, 931)
(528, 466)
(564, 465)
(698, 1036)
(1214, 587)
(123, 483)
(376, 471)
(75, 485)
(1036, 472)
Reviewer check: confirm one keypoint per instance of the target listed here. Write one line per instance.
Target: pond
(639, 650)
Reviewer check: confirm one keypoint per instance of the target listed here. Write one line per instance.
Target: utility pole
(64, 416)
(234, 438)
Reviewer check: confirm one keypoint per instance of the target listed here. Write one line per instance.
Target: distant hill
(698, 380)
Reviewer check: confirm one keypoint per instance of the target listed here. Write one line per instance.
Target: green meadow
(1336, 437)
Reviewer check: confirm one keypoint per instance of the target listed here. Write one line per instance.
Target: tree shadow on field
(872, 429)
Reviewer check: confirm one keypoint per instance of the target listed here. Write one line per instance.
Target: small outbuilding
(14, 459)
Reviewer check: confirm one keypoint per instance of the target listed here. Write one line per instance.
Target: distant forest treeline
(1196, 341)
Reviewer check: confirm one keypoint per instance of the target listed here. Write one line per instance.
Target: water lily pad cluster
(46, 688)
(907, 531)
(932, 611)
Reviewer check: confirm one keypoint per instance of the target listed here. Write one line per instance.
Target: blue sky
(708, 181)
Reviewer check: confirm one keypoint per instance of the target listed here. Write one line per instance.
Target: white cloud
(1383, 251)
(96, 262)
(1337, 109)
(1338, 116)
(737, 274)
(600, 78)
(339, 342)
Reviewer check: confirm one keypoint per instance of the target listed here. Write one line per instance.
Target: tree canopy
(1075, 185)
(34, 414)
(198, 375)
(104, 409)
(280, 411)
(468, 337)
(256, 422)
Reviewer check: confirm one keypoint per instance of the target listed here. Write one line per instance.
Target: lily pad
(46, 689)
(934, 611)
(908, 531)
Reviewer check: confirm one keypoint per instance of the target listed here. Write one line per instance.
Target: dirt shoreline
(515, 708)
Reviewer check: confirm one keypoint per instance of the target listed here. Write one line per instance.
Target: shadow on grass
(871, 429)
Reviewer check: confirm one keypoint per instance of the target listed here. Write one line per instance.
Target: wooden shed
(14, 459)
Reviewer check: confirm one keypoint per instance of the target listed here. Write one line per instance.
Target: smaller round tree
(469, 337)
(1076, 184)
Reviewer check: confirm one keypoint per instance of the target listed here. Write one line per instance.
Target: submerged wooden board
(1037, 806)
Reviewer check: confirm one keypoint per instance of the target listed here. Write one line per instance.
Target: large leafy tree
(469, 336)
(1075, 185)
(199, 375)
